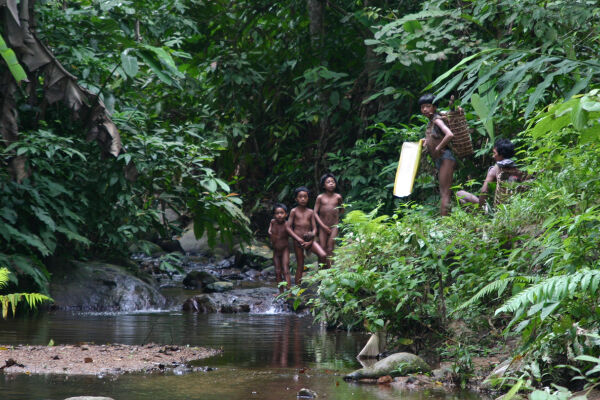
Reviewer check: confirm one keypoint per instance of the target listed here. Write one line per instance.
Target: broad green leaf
(157, 69)
(483, 112)
(412, 26)
(452, 70)
(564, 68)
(12, 62)
(129, 64)
(449, 86)
(334, 98)
(590, 105)
(210, 185)
(579, 116)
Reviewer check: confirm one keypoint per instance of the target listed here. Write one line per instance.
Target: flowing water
(264, 357)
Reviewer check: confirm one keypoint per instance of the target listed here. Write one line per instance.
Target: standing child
(437, 139)
(280, 240)
(327, 214)
(302, 228)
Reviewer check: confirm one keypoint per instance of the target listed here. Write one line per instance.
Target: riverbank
(89, 359)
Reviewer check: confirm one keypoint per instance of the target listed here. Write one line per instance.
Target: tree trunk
(317, 34)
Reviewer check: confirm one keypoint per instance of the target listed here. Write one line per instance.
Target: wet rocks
(97, 286)
(307, 394)
(198, 279)
(219, 287)
(257, 300)
(257, 256)
(397, 364)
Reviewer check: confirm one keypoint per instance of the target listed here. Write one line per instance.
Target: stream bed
(264, 356)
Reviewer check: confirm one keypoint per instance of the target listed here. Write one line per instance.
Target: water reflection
(281, 345)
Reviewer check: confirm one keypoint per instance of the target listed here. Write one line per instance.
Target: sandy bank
(88, 359)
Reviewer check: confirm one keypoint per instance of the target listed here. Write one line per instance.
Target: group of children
(302, 226)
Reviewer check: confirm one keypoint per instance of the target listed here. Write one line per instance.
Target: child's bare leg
(445, 178)
(318, 250)
(331, 245)
(324, 241)
(277, 263)
(285, 264)
(299, 263)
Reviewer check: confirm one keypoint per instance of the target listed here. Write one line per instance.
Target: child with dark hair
(302, 222)
(437, 139)
(502, 152)
(280, 241)
(327, 214)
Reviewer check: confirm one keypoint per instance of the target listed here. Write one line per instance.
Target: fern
(10, 301)
(498, 286)
(554, 289)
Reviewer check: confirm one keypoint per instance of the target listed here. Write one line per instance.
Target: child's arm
(313, 222)
(448, 135)
(340, 204)
(288, 227)
(271, 227)
(317, 218)
(491, 177)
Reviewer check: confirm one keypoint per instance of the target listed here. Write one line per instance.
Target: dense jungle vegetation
(113, 111)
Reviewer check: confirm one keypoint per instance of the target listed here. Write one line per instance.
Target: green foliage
(11, 61)
(77, 202)
(11, 300)
(462, 364)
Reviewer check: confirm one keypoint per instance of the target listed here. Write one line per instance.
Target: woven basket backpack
(461, 142)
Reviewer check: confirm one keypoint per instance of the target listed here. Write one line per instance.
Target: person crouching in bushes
(503, 152)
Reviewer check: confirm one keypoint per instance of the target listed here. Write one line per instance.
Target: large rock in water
(257, 300)
(198, 279)
(395, 365)
(96, 286)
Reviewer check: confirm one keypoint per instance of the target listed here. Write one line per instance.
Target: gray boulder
(219, 287)
(198, 279)
(97, 286)
(397, 364)
(190, 244)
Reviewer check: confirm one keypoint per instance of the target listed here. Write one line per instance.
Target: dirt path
(96, 359)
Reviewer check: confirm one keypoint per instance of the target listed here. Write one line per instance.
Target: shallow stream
(264, 357)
